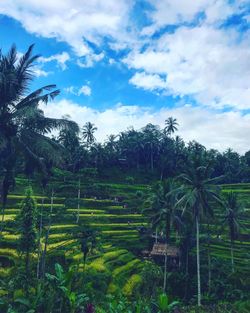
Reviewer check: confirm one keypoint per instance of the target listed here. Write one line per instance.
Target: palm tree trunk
(198, 261)
(6, 184)
(167, 228)
(209, 270)
(209, 261)
(232, 256)
(39, 241)
(165, 271)
(47, 234)
(186, 273)
(151, 157)
(78, 203)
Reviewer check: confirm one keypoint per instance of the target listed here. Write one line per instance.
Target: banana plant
(164, 305)
(63, 282)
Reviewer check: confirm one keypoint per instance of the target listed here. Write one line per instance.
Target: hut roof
(163, 248)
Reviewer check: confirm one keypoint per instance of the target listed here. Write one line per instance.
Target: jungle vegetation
(79, 218)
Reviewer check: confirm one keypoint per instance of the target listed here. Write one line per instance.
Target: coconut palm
(23, 126)
(232, 217)
(162, 206)
(171, 126)
(198, 191)
(88, 131)
(151, 142)
(162, 210)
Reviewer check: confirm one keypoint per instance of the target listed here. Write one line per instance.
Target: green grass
(125, 268)
(111, 219)
(131, 284)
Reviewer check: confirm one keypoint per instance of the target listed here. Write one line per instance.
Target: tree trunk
(198, 261)
(151, 158)
(6, 184)
(232, 256)
(39, 241)
(27, 274)
(209, 270)
(47, 234)
(167, 228)
(78, 203)
(186, 272)
(165, 271)
(209, 261)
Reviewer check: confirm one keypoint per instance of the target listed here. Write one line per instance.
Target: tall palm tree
(151, 142)
(88, 131)
(198, 191)
(23, 126)
(171, 126)
(162, 211)
(162, 205)
(232, 217)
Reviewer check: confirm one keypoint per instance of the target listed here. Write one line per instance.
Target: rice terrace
(124, 156)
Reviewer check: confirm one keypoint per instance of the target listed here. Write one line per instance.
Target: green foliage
(28, 220)
(164, 304)
(152, 278)
(132, 285)
(242, 306)
(62, 288)
(130, 180)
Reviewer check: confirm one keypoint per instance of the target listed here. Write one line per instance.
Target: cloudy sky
(120, 63)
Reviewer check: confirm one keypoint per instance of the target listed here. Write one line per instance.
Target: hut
(161, 250)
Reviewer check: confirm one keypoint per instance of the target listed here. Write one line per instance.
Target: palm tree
(198, 191)
(232, 217)
(162, 210)
(151, 141)
(171, 126)
(88, 131)
(23, 126)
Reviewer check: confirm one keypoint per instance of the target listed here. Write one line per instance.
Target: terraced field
(116, 218)
(220, 247)
(115, 221)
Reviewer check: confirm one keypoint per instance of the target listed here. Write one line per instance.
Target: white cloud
(84, 90)
(60, 58)
(210, 64)
(169, 12)
(215, 130)
(71, 89)
(73, 21)
(148, 81)
(39, 72)
(89, 60)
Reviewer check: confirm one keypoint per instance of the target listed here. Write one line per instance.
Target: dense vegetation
(80, 218)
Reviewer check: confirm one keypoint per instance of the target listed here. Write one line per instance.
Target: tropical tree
(88, 131)
(28, 231)
(162, 205)
(171, 126)
(198, 191)
(162, 211)
(151, 140)
(23, 126)
(232, 216)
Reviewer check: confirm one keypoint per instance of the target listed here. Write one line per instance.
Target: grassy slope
(117, 226)
(118, 237)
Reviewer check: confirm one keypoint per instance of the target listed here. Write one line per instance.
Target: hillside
(114, 210)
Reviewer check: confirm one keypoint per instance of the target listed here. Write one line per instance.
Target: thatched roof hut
(162, 248)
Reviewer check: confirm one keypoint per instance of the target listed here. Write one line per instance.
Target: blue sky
(133, 62)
